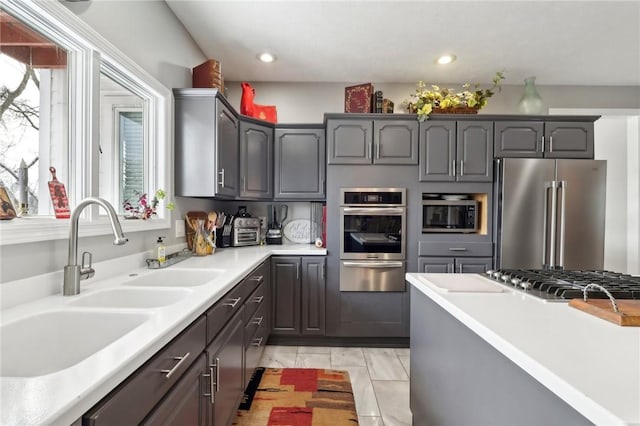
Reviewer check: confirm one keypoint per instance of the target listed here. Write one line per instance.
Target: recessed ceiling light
(266, 57)
(445, 59)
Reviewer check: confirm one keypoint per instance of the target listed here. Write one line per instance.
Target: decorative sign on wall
(298, 231)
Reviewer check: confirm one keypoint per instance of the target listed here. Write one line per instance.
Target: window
(72, 132)
(33, 101)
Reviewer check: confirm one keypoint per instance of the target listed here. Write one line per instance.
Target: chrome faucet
(74, 273)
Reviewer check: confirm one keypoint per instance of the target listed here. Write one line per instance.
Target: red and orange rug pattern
(299, 397)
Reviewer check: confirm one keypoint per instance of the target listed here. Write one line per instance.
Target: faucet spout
(73, 273)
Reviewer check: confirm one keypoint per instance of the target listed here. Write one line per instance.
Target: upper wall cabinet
(378, 141)
(256, 160)
(206, 144)
(544, 139)
(299, 163)
(459, 151)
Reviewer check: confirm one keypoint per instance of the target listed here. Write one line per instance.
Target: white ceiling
(559, 42)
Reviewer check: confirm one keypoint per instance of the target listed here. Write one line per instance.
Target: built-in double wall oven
(372, 239)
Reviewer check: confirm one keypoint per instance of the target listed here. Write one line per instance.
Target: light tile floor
(379, 377)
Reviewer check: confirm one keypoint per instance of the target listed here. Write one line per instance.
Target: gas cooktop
(562, 285)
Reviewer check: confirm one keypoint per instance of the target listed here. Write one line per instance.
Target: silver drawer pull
(257, 320)
(257, 299)
(257, 278)
(457, 249)
(257, 341)
(235, 302)
(180, 360)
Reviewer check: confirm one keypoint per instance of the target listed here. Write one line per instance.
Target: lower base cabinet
(298, 291)
(225, 358)
(461, 265)
(200, 376)
(186, 403)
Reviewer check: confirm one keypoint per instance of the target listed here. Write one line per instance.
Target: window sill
(34, 229)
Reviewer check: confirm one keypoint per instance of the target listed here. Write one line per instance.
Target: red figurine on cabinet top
(247, 107)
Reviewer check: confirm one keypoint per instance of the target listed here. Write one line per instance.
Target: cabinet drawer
(254, 351)
(254, 301)
(258, 319)
(223, 310)
(130, 402)
(457, 249)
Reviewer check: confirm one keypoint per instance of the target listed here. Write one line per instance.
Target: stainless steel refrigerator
(550, 214)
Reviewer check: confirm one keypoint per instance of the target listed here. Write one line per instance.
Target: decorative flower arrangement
(145, 208)
(424, 101)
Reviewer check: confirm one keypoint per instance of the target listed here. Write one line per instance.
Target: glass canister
(531, 103)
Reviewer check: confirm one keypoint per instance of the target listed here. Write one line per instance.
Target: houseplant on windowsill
(144, 208)
(447, 101)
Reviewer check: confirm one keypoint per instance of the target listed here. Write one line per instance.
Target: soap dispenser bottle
(161, 251)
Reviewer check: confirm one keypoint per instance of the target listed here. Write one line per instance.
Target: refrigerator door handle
(562, 185)
(549, 239)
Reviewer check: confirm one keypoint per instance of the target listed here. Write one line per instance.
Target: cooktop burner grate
(563, 285)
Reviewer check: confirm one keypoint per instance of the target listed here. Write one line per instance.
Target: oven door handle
(374, 210)
(373, 264)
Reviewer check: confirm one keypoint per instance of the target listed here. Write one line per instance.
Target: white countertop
(590, 363)
(62, 397)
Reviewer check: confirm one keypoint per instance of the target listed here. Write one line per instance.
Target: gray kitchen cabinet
(225, 357)
(461, 265)
(453, 151)
(175, 386)
(299, 163)
(206, 145)
(186, 403)
(544, 139)
(257, 320)
(378, 141)
(256, 160)
(298, 286)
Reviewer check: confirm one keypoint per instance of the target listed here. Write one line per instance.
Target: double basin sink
(87, 323)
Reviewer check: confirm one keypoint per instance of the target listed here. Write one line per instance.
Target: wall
(307, 102)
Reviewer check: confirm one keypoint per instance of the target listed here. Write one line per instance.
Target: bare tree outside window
(19, 127)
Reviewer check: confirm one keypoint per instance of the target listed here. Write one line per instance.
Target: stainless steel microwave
(449, 216)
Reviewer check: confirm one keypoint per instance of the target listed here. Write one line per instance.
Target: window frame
(89, 54)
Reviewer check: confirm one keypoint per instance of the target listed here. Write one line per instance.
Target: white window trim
(89, 53)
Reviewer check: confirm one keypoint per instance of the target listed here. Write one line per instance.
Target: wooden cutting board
(628, 310)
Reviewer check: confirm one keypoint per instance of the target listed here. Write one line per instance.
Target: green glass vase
(531, 103)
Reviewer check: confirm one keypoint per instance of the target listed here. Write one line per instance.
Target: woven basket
(455, 110)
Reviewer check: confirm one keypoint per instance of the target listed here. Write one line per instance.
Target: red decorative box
(358, 98)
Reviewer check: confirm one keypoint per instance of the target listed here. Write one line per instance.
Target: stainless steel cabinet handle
(378, 151)
(297, 271)
(256, 342)
(550, 143)
(215, 365)
(257, 321)
(180, 360)
(257, 278)
(373, 264)
(244, 183)
(257, 299)
(211, 391)
(461, 167)
(542, 141)
(232, 304)
(221, 173)
(454, 167)
(457, 249)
